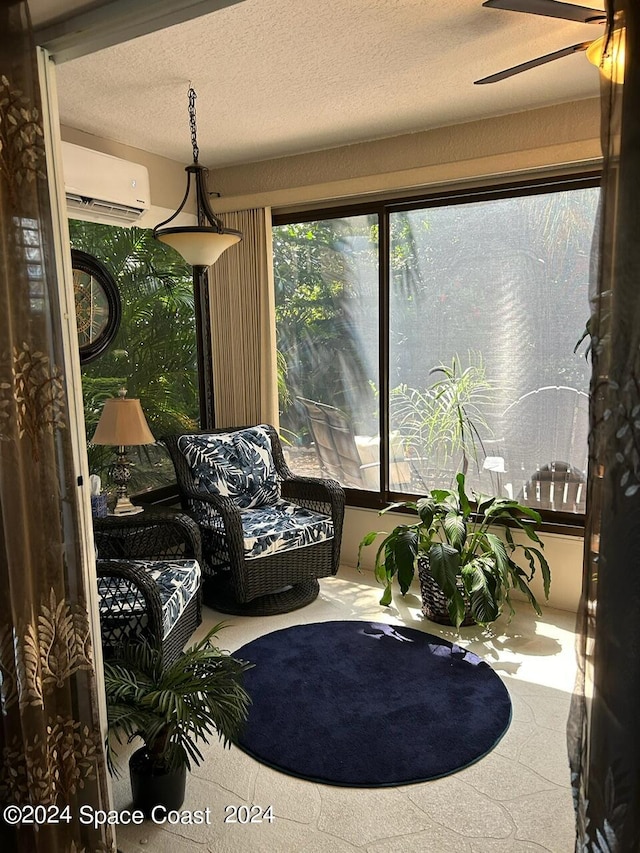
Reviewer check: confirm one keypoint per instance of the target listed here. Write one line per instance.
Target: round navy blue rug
(365, 704)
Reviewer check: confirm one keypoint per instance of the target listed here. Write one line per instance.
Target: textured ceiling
(276, 78)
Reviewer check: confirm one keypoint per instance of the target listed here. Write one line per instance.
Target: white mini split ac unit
(102, 188)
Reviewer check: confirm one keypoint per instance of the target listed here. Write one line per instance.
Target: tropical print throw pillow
(237, 464)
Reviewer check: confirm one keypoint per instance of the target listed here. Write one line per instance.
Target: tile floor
(515, 800)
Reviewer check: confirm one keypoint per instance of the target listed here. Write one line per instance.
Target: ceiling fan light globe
(199, 246)
(609, 55)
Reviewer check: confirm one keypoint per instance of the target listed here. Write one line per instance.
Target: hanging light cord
(192, 123)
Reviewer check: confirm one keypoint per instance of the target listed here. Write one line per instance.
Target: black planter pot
(151, 789)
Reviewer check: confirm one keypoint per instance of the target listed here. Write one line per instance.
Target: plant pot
(150, 788)
(434, 602)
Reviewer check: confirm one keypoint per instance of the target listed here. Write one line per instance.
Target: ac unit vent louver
(92, 206)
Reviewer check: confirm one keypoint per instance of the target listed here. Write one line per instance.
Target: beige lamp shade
(122, 424)
(199, 246)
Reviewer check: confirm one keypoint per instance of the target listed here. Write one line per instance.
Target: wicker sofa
(267, 535)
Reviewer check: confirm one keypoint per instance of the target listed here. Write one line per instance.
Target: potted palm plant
(466, 571)
(171, 709)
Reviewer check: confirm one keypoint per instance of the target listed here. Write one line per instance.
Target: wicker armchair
(149, 581)
(248, 568)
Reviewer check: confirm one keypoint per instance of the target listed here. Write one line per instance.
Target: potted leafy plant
(466, 571)
(171, 709)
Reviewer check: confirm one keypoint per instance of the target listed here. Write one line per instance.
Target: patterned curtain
(52, 754)
(604, 745)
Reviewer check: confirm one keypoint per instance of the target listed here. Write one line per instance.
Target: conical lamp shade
(199, 246)
(122, 424)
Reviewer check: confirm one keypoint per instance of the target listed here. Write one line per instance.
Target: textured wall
(544, 139)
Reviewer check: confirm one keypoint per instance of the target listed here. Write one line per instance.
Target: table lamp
(122, 424)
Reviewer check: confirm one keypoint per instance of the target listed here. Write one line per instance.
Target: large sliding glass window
(485, 297)
(326, 280)
(487, 302)
(154, 353)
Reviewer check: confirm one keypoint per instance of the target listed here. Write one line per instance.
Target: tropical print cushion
(237, 464)
(270, 529)
(122, 602)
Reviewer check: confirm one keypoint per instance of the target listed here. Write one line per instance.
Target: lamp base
(125, 507)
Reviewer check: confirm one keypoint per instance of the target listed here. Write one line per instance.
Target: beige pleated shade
(122, 423)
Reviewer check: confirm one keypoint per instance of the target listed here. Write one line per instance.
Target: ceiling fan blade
(533, 63)
(552, 9)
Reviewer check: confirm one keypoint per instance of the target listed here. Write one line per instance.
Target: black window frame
(553, 521)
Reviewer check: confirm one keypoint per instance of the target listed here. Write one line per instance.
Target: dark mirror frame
(90, 265)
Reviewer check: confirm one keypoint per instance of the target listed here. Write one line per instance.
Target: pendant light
(608, 54)
(201, 244)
